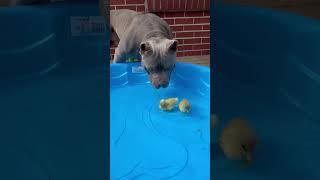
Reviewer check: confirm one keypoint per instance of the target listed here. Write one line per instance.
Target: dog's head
(159, 58)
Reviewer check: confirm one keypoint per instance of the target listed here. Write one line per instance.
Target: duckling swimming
(184, 106)
(238, 140)
(168, 104)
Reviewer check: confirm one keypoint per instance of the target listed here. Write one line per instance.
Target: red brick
(170, 4)
(117, 2)
(184, 34)
(192, 53)
(201, 20)
(179, 54)
(205, 52)
(140, 8)
(195, 4)
(174, 34)
(127, 7)
(150, 5)
(180, 41)
(202, 34)
(134, 2)
(182, 5)
(160, 14)
(170, 21)
(164, 4)
(192, 41)
(175, 4)
(207, 4)
(112, 7)
(157, 5)
(184, 47)
(194, 13)
(112, 46)
(192, 27)
(184, 21)
(201, 46)
(206, 27)
(201, 4)
(206, 13)
(176, 28)
(189, 4)
(174, 14)
(205, 40)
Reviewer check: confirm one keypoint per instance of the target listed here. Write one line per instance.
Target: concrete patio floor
(200, 60)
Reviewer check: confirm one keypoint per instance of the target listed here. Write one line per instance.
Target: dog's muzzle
(160, 78)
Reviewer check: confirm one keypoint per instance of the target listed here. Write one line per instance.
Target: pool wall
(54, 124)
(35, 39)
(272, 50)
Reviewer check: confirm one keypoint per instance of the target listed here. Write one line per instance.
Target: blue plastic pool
(48, 76)
(267, 68)
(148, 143)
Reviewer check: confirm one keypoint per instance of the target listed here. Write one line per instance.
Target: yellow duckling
(184, 106)
(238, 140)
(168, 104)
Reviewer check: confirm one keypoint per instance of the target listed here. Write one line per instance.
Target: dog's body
(147, 35)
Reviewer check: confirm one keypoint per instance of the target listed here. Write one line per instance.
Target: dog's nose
(157, 86)
(165, 85)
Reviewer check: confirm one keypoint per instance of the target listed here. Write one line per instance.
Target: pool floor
(148, 143)
(289, 139)
(42, 133)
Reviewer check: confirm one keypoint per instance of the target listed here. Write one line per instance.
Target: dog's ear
(173, 44)
(145, 47)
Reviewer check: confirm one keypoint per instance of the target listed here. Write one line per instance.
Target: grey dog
(148, 36)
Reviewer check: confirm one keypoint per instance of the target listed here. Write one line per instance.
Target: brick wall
(137, 5)
(189, 21)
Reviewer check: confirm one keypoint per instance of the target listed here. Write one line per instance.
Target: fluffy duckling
(168, 104)
(238, 140)
(184, 106)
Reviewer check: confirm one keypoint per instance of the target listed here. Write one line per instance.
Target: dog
(148, 36)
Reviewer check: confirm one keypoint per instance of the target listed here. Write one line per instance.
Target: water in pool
(42, 133)
(148, 143)
(288, 147)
